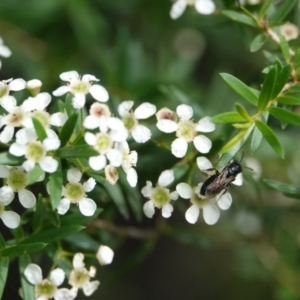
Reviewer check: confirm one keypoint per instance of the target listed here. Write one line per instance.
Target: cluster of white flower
(160, 197)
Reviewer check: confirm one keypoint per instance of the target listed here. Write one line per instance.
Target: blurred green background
(139, 53)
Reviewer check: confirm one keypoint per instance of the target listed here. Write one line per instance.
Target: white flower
(34, 86)
(205, 7)
(80, 87)
(80, 276)
(74, 192)
(210, 206)
(140, 133)
(16, 183)
(9, 218)
(98, 113)
(38, 105)
(4, 50)
(159, 195)
(36, 151)
(47, 288)
(11, 85)
(186, 131)
(289, 31)
(105, 255)
(111, 174)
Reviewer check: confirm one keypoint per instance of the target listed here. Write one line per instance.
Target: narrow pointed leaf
(233, 141)
(67, 130)
(7, 159)
(240, 88)
(39, 128)
(78, 218)
(256, 140)
(282, 11)
(243, 112)
(27, 288)
(270, 137)
(288, 100)
(282, 78)
(228, 117)
(264, 8)
(258, 42)
(4, 265)
(21, 249)
(285, 115)
(239, 17)
(76, 151)
(285, 49)
(55, 186)
(296, 62)
(267, 89)
(283, 187)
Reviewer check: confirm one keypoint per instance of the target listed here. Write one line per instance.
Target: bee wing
(217, 185)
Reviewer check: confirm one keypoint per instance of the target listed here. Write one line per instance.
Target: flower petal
(115, 157)
(179, 147)
(17, 84)
(17, 149)
(149, 209)
(88, 78)
(132, 177)
(145, 111)
(174, 195)
(167, 210)
(27, 198)
(90, 138)
(224, 202)
(65, 294)
(28, 165)
(87, 206)
(205, 7)
(185, 112)
(48, 164)
(202, 143)
(4, 171)
(57, 276)
(91, 122)
(192, 214)
(63, 206)
(78, 101)
(69, 76)
(10, 219)
(51, 143)
(58, 119)
(125, 107)
(78, 261)
(166, 125)
(177, 9)
(211, 214)
(7, 134)
(97, 162)
(33, 274)
(238, 179)
(203, 163)
(165, 178)
(147, 189)
(141, 134)
(61, 91)
(205, 125)
(89, 185)
(42, 100)
(184, 190)
(90, 287)
(99, 93)
(74, 175)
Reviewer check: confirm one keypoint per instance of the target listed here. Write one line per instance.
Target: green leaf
(76, 151)
(257, 136)
(288, 100)
(243, 112)
(226, 157)
(228, 117)
(282, 78)
(240, 88)
(34, 174)
(4, 265)
(285, 48)
(39, 128)
(78, 218)
(258, 42)
(21, 249)
(267, 89)
(270, 137)
(233, 141)
(2, 243)
(53, 234)
(239, 17)
(282, 11)
(285, 115)
(264, 8)
(117, 197)
(296, 62)
(67, 130)
(283, 187)
(7, 159)
(27, 288)
(69, 106)
(55, 186)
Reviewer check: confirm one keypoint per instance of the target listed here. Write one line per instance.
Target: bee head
(234, 168)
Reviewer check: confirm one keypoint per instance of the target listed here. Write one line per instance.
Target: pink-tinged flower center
(16, 117)
(35, 151)
(74, 192)
(99, 110)
(186, 130)
(166, 114)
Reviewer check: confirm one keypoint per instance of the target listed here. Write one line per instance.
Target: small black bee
(220, 180)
